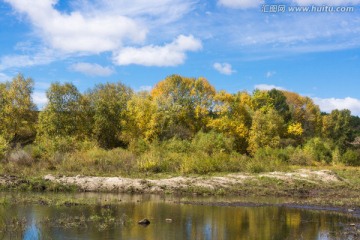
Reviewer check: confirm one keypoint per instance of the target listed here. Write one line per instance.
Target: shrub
(255, 166)
(319, 149)
(300, 157)
(46, 148)
(4, 147)
(21, 157)
(158, 160)
(268, 154)
(212, 142)
(97, 160)
(177, 145)
(138, 146)
(235, 162)
(351, 158)
(202, 163)
(336, 156)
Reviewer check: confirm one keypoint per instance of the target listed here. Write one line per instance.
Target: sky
(311, 47)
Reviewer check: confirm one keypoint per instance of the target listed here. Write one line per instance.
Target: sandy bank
(184, 184)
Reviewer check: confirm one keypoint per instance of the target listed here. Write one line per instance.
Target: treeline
(181, 110)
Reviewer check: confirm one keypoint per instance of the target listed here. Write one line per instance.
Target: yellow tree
(261, 101)
(231, 117)
(184, 105)
(304, 111)
(295, 129)
(265, 130)
(18, 112)
(141, 121)
(2, 107)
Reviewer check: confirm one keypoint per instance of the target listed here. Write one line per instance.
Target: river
(116, 216)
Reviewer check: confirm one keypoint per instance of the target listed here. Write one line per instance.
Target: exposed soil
(184, 184)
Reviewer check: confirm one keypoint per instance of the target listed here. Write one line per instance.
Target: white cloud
(91, 69)
(329, 104)
(327, 2)
(171, 54)
(76, 31)
(161, 11)
(145, 88)
(40, 99)
(270, 74)
(268, 87)
(4, 77)
(240, 3)
(93, 27)
(44, 56)
(271, 35)
(223, 68)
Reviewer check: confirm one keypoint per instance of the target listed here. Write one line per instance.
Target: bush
(268, 154)
(46, 148)
(336, 156)
(159, 160)
(319, 149)
(177, 145)
(212, 142)
(300, 157)
(97, 160)
(351, 158)
(4, 147)
(21, 157)
(255, 166)
(202, 163)
(138, 146)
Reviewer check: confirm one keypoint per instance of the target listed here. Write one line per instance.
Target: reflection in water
(119, 221)
(32, 233)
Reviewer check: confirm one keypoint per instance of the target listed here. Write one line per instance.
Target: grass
(24, 170)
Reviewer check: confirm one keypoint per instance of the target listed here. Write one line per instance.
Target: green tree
(109, 105)
(183, 104)
(261, 101)
(18, 112)
(232, 118)
(336, 126)
(265, 130)
(61, 117)
(279, 103)
(304, 111)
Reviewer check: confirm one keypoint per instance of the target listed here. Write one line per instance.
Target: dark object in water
(144, 222)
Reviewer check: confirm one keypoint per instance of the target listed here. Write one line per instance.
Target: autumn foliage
(180, 116)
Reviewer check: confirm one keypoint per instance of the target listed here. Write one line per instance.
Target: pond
(114, 216)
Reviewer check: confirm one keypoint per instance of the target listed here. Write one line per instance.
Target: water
(117, 217)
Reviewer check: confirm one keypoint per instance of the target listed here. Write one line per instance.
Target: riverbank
(338, 188)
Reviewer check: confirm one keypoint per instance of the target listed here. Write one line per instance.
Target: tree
(336, 126)
(295, 129)
(265, 130)
(232, 118)
(279, 103)
(304, 111)
(183, 105)
(109, 103)
(18, 112)
(261, 101)
(2, 108)
(61, 116)
(141, 121)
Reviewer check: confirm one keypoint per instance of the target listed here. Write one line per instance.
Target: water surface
(117, 216)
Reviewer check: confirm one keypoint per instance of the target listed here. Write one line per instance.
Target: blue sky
(233, 43)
